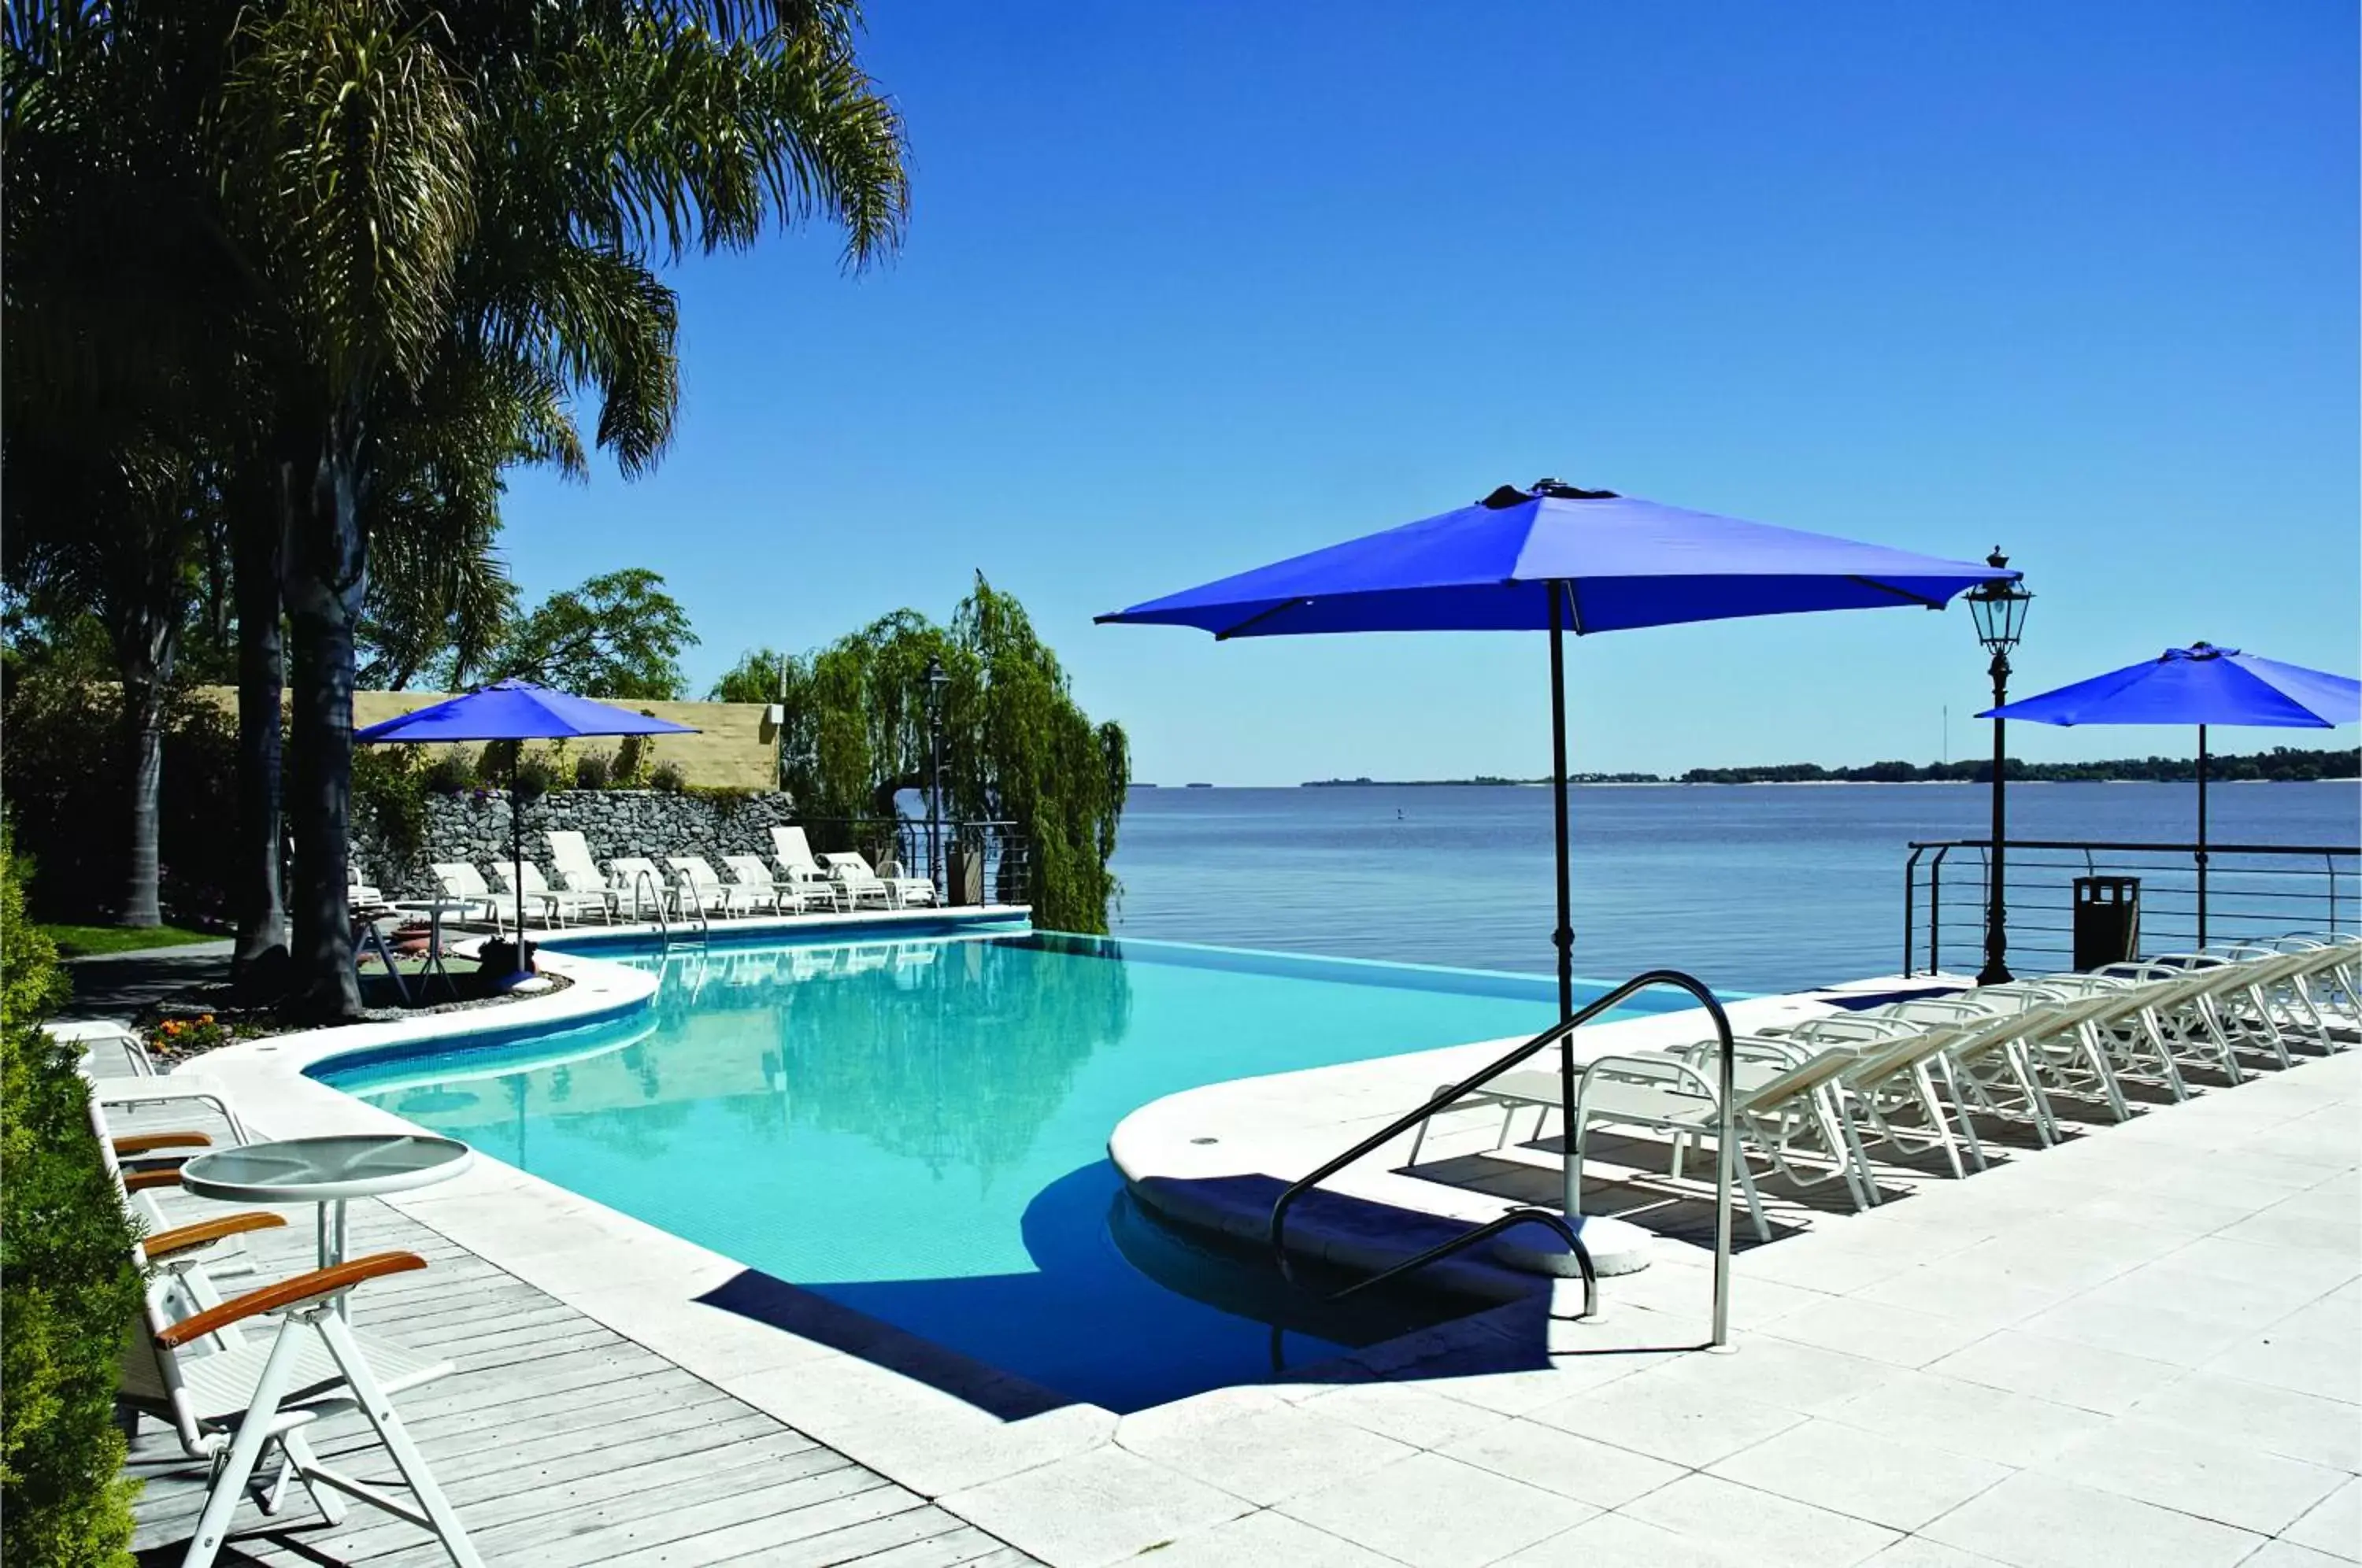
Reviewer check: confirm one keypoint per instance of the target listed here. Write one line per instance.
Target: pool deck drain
(2143, 1346)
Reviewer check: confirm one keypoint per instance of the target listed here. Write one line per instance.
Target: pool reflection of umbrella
(2200, 685)
(515, 711)
(1557, 559)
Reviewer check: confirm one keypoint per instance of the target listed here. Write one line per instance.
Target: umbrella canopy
(2200, 685)
(1561, 559)
(1599, 562)
(516, 710)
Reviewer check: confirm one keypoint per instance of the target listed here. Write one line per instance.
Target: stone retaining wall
(648, 823)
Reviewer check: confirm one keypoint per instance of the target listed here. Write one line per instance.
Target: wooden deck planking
(559, 1441)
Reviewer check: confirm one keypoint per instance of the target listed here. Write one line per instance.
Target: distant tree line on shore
(2281, 765)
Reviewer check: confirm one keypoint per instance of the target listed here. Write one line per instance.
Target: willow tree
(1016, 745)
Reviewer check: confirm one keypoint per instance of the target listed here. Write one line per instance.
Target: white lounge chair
(748, 873)
(798, 866)
(911, 891)
(699, 886)
(464, 884)
(1785, 1108)
(862, 886)
(103, 1040)
(570, 862)
(904, 891)
(556, 905)
(357, 893)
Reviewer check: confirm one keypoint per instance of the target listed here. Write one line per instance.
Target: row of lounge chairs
(1916, 1075)
(795, 881)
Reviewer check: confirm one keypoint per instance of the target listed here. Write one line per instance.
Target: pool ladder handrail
(694, 902)
(1443, 1099)
(656, 891)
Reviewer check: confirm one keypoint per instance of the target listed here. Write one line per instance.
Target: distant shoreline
(2282, 764)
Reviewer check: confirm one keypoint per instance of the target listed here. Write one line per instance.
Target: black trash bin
(2107, 921)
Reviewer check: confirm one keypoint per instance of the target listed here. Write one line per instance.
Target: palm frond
(349, 149)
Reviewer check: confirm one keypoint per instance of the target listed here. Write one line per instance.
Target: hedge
(68, 1289)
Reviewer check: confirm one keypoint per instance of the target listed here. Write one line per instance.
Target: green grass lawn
(82, 940)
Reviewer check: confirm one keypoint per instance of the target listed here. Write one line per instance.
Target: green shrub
(728, 800)
(669, 777)
(389, 796)
(452, 772)
(536, 777)
(631, 767)
(591, 772)
(67, 1285)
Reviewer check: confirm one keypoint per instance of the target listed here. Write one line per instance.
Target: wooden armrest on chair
(164, 1243)
(149, 1142)
(149, 1177)
(292, 1292)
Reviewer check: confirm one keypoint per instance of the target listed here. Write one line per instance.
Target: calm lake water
(1751, 886)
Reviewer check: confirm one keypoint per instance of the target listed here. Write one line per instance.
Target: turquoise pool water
(918, 1130)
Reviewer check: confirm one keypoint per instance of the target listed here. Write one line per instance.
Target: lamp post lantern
(936, 681)
(1999, 610)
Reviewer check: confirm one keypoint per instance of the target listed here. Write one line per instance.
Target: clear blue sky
(1189, 288)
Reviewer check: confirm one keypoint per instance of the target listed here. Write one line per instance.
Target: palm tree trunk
(144, 656)
(322, 579)
(259, 964)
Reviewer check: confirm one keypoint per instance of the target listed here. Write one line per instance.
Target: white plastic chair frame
(569, 859)
(465, 885)
(749, 873)
(709, 892)
(288, 1395)
(861, 884)
(797, 863)
(144, 1086)
(557, 905)
(624, 874)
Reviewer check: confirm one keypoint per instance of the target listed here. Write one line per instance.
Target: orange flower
(206, 1018)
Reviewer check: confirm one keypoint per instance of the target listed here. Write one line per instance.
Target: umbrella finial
(1510, 495)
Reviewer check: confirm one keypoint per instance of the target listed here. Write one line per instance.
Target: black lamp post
(1999, 610)
(936, 681)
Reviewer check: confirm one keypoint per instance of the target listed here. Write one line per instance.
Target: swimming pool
(917, 1130)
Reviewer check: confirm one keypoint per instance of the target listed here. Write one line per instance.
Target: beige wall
(734, 746)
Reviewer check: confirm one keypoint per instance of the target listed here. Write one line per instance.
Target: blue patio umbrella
(1558, 559)
(2200, 685)
(516, 710)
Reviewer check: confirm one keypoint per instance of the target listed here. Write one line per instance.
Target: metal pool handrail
(1556, 1034)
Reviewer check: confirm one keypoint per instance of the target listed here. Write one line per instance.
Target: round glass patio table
(328, 1172)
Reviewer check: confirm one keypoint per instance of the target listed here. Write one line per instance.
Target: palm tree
(495, 180)
(398, 238)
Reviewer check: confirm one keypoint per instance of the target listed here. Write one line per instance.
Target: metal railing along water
(1725, 1137)
(2191, 895)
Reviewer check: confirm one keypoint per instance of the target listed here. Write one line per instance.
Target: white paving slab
(1434, 1512)
(2036, 1521)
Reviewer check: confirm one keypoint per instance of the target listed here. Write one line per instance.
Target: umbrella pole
(516, 853)
(2201, 835)
(1564, 936)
